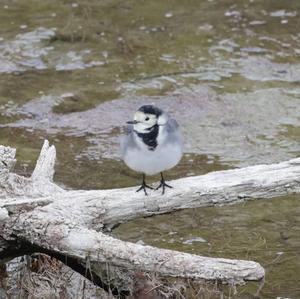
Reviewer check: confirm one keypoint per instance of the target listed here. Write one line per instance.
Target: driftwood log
(36, 215)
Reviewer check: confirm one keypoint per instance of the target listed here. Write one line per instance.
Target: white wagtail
(153, 144)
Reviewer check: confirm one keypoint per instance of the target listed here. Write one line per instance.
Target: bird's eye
(147, 118)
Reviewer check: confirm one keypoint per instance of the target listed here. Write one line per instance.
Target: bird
(152, 145)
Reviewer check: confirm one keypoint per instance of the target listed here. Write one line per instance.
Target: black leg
(144, 186)
(163, 184)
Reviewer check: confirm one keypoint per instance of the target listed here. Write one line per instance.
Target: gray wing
(172, 125)
(174, 131)
(127, 140)
(129, 129)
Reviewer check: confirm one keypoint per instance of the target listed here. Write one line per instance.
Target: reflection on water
(266, 231)
(229, 71)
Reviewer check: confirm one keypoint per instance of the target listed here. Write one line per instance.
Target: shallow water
(229, 71)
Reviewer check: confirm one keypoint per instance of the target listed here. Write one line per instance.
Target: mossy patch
(84, 100)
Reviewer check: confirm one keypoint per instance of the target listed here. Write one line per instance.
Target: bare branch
(72, 223)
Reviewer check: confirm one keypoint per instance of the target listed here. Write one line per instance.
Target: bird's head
(147, 117)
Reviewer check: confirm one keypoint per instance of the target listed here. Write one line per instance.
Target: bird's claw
(163, 185)
(143, 187)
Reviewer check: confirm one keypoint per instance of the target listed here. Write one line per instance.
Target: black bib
(150, 139)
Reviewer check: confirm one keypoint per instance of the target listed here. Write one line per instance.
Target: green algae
(153, 48)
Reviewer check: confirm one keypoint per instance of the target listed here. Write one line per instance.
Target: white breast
(165, 156)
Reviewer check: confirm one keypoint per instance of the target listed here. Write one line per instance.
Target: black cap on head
(150, 109)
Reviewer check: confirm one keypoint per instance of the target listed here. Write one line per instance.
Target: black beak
(132, 122)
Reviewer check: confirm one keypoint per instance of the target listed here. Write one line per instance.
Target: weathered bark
(38, 185)
(72, 223)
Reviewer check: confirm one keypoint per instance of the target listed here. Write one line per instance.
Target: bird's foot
(163, 185)
(143, 187)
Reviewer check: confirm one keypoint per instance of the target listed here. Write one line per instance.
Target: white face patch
(162, 119)
(145, 121)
